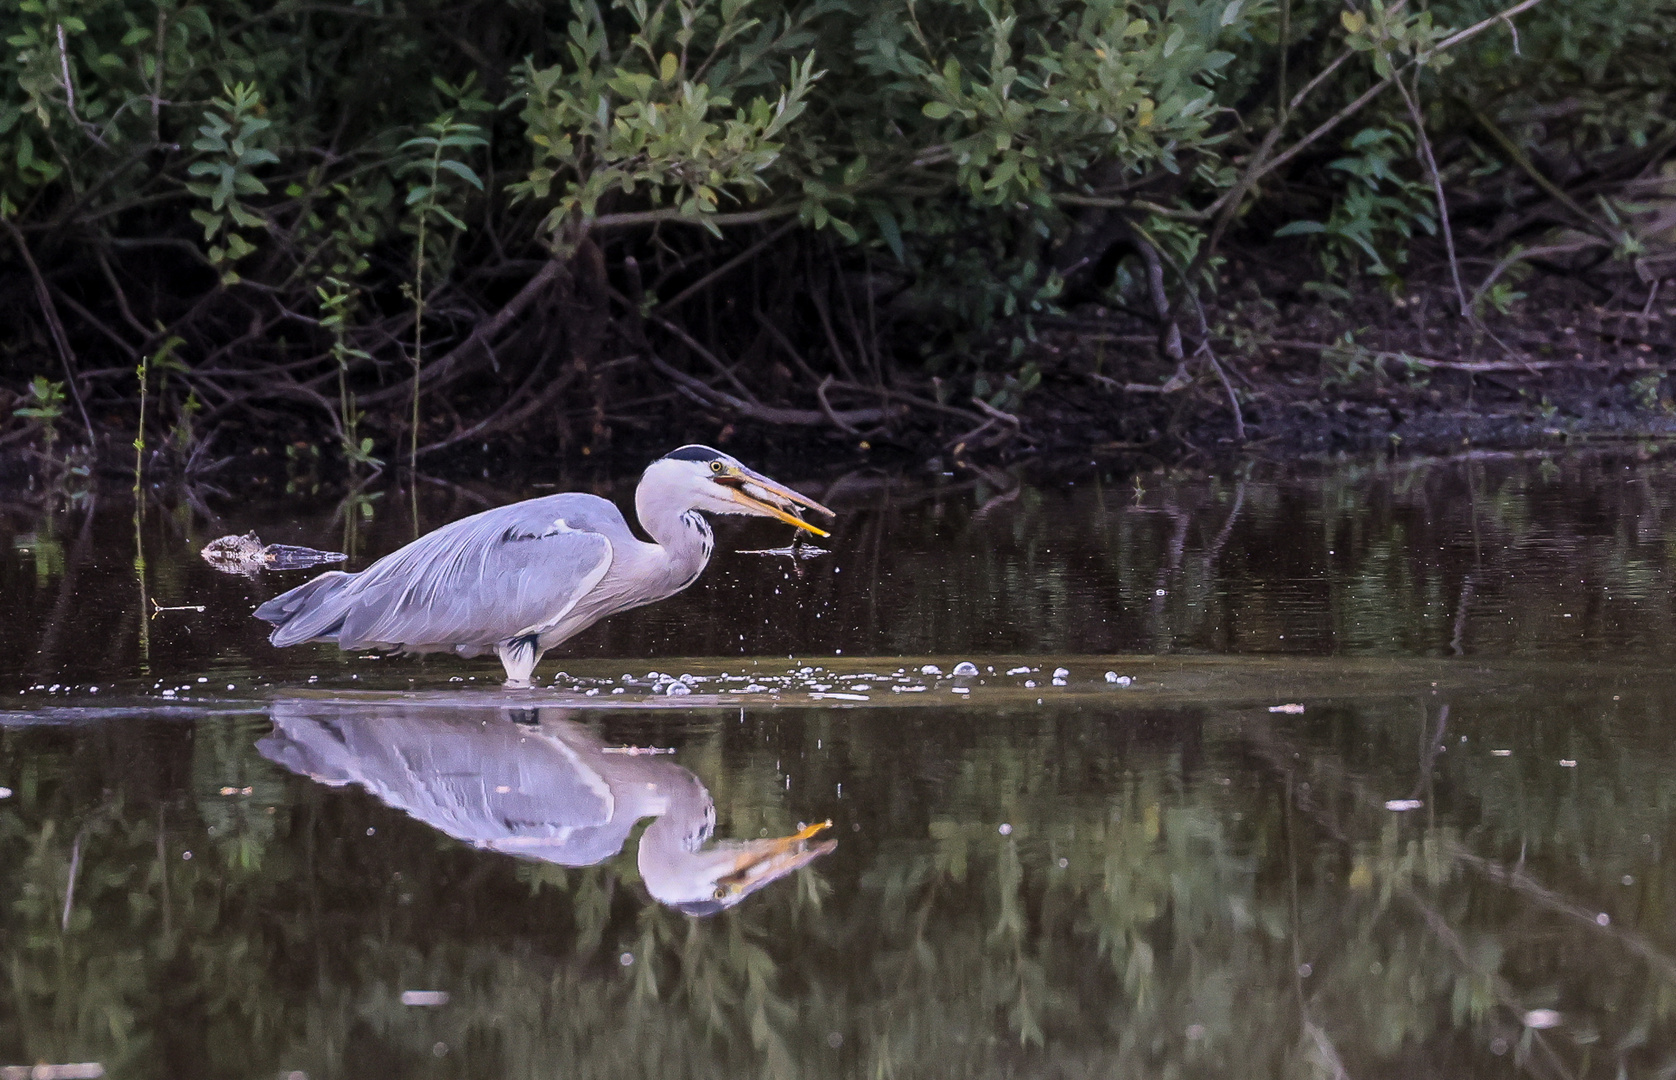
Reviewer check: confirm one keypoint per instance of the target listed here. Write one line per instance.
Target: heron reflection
(550, 791)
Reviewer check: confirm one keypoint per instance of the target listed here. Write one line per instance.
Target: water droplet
(965, 669)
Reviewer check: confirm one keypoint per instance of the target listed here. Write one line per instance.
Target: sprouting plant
(336, 306)
(228, 140)
(163, 358)
(1377, 212)
(1501, 295)
(1646, 390)
(439, 159)
(45, 406)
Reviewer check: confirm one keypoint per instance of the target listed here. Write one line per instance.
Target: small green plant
(45, 407)
(1378, 211)
(336, 307)
(1501, 295)
(162, 359)
(228, 139)
(439, 158)
(1647, 390)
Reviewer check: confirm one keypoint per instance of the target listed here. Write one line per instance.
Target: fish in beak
(769, 498)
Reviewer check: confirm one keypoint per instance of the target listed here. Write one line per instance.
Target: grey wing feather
(468, 585)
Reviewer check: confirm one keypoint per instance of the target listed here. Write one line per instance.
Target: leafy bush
(231, 174)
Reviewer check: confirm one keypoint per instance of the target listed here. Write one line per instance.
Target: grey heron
(520, 579)
(551, 791)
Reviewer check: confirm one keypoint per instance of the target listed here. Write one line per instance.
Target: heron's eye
(717, 467)
(721, 892)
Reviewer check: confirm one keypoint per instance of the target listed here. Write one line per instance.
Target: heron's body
(520, 579)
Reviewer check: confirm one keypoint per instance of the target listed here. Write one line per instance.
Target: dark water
(1443, 858)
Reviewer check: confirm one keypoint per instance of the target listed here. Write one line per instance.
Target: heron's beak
(770, 498)
(762, 861)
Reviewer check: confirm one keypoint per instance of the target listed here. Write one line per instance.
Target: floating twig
(158, 609)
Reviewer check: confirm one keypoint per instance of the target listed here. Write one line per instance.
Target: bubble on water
(1542, 1019)
(1603, 919)
(965, 669)
(626, 959)
(1061, 673)
(678, 689)
(1058, 682)
(1501, 753)
(931, 669)
(1020, 670)
(1400, 805)
(962, 690)
(1567, 763)
(1005, 829)
(5, 792)
(1118, 680)
(616, 690)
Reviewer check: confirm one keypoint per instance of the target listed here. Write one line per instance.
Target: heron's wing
(477, 581)
(488, 782)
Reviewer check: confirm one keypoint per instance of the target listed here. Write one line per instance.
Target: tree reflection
(1186, 892)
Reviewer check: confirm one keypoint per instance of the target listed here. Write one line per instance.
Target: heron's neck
(686, 820)
(682, 533)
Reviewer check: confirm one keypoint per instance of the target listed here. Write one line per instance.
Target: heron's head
(713, 880)
(709, 480)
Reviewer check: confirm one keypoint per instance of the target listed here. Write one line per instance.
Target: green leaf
(668, 66)
(936, 110)
(443, 213)
(462, 170)
(1301, 228)
(889, 231)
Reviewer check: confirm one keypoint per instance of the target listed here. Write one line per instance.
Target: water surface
(1360, 770)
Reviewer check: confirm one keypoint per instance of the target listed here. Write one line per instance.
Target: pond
(1329, 770)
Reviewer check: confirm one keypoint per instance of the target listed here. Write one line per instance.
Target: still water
(1332, 771)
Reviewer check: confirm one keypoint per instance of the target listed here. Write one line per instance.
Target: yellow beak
(762, 861)
(770, 498)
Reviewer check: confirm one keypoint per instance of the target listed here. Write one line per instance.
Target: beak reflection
(762, 861)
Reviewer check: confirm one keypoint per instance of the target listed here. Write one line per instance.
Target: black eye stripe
(695, 452)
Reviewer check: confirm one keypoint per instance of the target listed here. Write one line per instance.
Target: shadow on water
(1386, 793)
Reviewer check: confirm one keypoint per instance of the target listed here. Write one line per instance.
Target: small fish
(247, 555)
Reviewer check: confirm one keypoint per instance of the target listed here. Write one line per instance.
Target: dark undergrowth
(456, 236)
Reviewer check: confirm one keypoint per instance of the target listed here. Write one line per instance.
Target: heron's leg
(519, 657)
